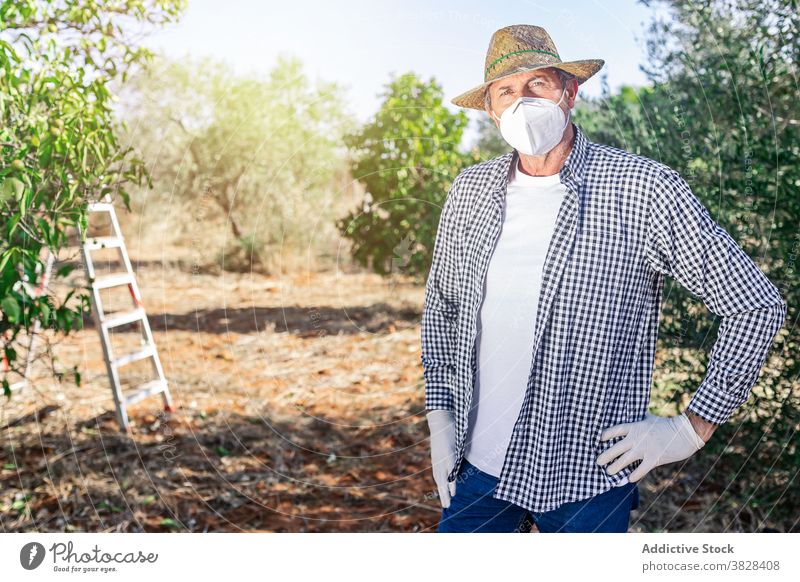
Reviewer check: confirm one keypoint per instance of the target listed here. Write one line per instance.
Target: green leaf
(65, 270)
(44, 307)
(12, 226)
(11, 187)
(11, 309)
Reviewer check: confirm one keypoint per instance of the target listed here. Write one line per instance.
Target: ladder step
(113, 281)
(103, 242)
(18, 385)
(100, 207)
(146, 352)
(147, 389)
(124, 318)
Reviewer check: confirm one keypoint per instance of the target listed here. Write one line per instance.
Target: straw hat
(518, 48)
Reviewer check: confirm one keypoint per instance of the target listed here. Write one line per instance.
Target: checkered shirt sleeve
(684, 242)
(440, 312)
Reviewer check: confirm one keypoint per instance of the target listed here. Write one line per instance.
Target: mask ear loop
(569, 113)
(564, 92)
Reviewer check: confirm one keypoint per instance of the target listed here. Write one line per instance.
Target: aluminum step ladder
(106, 322)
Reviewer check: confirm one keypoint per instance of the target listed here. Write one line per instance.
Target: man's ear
(572, 92)
(489, 113)
(488, 110)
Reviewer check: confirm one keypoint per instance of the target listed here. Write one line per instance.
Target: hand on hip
(656, 440)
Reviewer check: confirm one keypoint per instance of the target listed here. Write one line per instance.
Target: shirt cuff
(438, 396)
(715, 403)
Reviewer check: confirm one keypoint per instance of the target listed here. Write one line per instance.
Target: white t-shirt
(504, 341)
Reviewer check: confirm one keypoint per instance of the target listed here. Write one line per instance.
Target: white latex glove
(443, 451)
(656, 440)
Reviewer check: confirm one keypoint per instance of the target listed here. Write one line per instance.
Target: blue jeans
(473, 509)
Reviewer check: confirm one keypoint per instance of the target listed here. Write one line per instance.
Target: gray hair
(563, 76)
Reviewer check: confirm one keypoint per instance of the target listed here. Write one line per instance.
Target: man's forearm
(736, 359)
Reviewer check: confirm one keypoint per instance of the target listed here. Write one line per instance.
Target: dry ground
(299, 407)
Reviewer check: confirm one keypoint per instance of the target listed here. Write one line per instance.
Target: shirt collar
(574, 167)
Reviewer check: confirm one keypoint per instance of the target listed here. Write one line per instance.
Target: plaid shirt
(625, 223)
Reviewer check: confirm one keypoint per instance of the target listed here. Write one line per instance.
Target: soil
(298, 407)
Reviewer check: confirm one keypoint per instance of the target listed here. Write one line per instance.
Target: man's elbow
(782, 309)
(775, 316)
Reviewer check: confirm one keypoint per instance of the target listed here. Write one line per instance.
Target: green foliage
(58, 147)
(406, 157)
(265, 154)
(490, 142)
(723, 111)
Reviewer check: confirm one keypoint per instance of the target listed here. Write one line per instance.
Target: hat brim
(474, 98)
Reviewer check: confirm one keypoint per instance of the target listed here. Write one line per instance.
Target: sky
(359, 43)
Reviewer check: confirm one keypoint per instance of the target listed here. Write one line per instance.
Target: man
(542, 305)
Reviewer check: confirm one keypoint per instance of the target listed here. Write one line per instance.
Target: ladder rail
(157, 368)
(137, 296)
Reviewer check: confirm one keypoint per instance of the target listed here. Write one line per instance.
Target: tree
(266, 152)
(490, 141)
(723, 111)
(58, 143)
(406, 156)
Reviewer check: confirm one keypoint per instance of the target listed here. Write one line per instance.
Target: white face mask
(533, 125)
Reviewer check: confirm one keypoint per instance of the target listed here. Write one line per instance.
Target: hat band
(515, 53)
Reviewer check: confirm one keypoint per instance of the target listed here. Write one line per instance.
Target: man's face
(540, 83)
